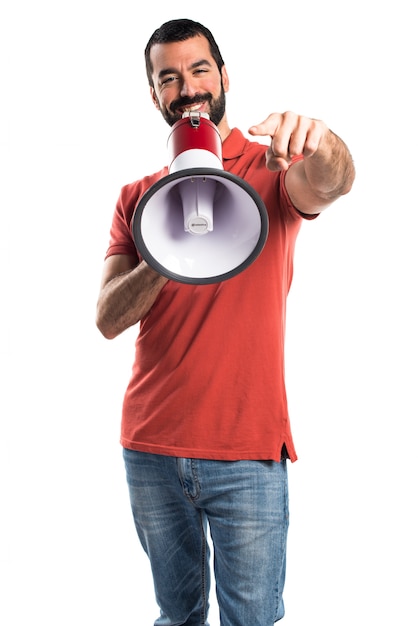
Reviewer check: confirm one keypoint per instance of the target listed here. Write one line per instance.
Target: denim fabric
(245, 506)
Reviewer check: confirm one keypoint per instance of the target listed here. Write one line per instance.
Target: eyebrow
(170, 70)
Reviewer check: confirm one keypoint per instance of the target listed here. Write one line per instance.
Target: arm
(327, 170)
(127, 292)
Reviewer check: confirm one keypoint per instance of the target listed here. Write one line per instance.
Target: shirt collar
(234, 145)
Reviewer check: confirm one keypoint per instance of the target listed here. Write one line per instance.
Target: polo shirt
(208, 373)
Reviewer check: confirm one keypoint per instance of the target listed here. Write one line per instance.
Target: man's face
(186, 78)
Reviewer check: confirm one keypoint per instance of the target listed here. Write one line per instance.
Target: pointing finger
(268, 127)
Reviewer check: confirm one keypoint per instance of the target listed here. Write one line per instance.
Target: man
(205, 427)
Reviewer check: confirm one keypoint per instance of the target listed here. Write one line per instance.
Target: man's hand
(291, 135)
(324, 174)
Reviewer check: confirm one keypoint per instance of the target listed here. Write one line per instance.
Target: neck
(223, 128)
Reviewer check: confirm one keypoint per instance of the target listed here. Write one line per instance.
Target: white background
(76, 124)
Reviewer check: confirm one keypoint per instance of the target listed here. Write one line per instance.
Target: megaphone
(199, 224)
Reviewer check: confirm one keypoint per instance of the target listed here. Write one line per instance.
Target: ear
(225, 79)
(154, 98)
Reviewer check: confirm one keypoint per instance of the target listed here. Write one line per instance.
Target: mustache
(187, 102)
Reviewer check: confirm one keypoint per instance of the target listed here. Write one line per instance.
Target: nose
(187, 88)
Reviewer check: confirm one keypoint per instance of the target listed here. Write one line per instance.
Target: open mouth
(189, 109)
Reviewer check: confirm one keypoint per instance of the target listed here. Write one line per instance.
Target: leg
(173, 534)
(249, 521)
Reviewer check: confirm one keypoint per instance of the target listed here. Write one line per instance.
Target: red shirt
(208, 375)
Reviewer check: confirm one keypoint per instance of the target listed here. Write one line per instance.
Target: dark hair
(180, 30)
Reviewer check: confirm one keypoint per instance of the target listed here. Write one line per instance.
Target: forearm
(330, 170)
(127, 298)
(326, 171)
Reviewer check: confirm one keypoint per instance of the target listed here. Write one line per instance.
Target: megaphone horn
(200, 224)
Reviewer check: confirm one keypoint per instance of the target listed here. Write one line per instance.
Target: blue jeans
(245, 504)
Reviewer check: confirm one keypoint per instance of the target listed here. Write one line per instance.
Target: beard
(216, 107)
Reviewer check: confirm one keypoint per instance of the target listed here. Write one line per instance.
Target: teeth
(193, 108)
